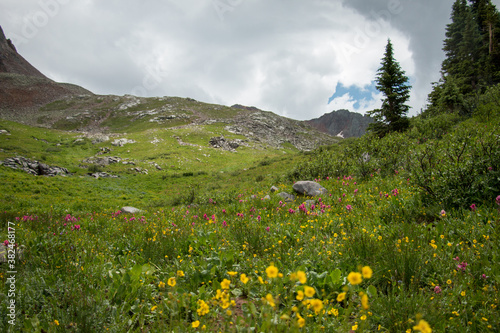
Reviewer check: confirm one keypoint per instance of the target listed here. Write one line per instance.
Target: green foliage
(461, 169)
(472, 58)
(393, 83)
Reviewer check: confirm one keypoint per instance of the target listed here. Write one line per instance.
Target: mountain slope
(28, 97)
(23, 88)
(342, 123)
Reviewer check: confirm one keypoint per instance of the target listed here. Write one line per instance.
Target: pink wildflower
(473, 207)
(348, 207)
(437, 289)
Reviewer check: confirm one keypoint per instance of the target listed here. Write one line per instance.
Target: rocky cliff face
(342, 123)
(22, 86)
(13, 62)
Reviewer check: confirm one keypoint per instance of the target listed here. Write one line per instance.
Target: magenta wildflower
(267, 229)
(258, 218)
(224, 223)
(473, 207)
(348, 207)
(303, 208)
(437, 289)
(6, 242)
(291, 211)
(462, 266)
(498, 200)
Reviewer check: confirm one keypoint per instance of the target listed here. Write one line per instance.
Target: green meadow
(405, 240)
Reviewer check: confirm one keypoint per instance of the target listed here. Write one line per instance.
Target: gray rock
(309, 188)
(286, 196)
(267, 197)
(121, 142)
(33, 167)
(130, 210)
(274, 189)
(309, 203)
(98, 175)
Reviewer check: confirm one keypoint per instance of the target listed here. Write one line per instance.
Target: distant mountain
(22, 86)
(27, 96)
(342, 123)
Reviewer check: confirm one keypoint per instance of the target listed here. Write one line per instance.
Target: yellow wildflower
(302, 277)
(225, 284)
(272, 272)
(423, 327)
(364, 302)
(195, 324)
(171, 282)
(354, 278)
(309, 291)
(270, 300)
(341, 297)
(367, 272)
(244, 278)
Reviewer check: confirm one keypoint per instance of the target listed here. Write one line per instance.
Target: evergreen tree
(472, 63)
(461, 47)
(393, 83)
(488, 21)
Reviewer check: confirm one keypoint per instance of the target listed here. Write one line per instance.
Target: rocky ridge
(342, 123)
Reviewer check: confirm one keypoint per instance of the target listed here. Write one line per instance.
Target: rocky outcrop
(98, 175)
(102, 161)
(121, 142)
(342, 123)
(276, 131)
(34, 167)
(229, 145)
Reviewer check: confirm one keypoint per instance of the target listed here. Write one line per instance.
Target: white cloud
(282, 56)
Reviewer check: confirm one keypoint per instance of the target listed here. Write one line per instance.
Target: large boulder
(309, 188)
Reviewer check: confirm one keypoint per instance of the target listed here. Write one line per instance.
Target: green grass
(204, 223)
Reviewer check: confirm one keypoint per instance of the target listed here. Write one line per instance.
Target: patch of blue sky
(357, 94)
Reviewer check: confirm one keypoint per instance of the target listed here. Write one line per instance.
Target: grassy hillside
(405, 239)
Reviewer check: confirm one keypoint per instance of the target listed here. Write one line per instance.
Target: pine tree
(393, 84)
(488, 21)
(461, 47)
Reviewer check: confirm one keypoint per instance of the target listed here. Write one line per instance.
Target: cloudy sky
(297, 58)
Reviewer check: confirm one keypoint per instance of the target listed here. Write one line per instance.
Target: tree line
(470, 73)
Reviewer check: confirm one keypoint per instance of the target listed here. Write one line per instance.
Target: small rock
(274, 189)
(122, 142)
(286, 196)
(130, 210)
